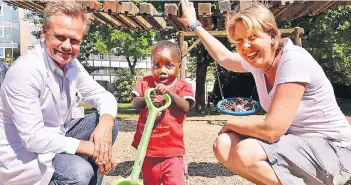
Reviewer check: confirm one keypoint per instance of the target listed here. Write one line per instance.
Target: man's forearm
(107, 119)
(85, 148)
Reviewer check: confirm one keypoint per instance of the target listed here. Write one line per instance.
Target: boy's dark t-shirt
(167, 136)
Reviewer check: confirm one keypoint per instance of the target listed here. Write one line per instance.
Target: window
(1, 31)
(1, 10)
(2, 53)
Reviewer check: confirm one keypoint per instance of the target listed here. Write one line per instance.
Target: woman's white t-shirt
(318, 114)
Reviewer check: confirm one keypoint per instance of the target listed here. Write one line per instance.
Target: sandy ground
(203, 168)
(200, 133)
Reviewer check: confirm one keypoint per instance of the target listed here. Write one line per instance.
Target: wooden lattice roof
(129, 15)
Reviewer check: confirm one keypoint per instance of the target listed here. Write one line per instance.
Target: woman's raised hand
(189, 16)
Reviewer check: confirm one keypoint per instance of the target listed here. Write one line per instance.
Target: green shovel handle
(151, 106)
(141, 152)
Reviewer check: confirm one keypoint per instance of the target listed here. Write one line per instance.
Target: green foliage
(37, 19)
(327, 38)
(123, 85)
(132, 43)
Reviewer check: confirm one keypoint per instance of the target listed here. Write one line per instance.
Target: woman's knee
(248, 152)
(224, 145)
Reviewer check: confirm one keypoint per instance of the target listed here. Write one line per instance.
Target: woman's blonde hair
(74, 9)
(257, 19)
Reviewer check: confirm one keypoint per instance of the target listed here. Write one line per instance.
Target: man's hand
(108, 167)
(102, 138)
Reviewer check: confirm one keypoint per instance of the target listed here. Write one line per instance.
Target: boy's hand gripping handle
(153, 111)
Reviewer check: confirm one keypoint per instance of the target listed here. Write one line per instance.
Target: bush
(123, 85)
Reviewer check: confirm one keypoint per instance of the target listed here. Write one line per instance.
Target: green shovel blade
(141, 152)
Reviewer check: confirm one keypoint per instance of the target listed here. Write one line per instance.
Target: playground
(200, 132)
(113, 20)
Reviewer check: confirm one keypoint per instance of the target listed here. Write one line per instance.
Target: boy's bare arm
(139, 102)
(180, 102)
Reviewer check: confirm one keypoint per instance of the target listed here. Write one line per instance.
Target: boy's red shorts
(165, 170)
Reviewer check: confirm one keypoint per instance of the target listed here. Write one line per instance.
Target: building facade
(9, 33)
(108, 64)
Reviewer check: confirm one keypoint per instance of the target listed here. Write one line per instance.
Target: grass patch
(126, 111)
(125, 106)
(86, 106)
(127, 116)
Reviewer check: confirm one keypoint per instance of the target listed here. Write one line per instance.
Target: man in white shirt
(44, 136)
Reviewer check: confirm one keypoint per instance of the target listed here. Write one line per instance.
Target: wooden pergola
(144, 16)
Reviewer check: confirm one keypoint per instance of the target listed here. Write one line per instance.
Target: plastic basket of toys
(238, 106)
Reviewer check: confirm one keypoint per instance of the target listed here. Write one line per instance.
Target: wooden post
(225, 9)
(205, 15)
(183, 46)
(171, 12)
(148, 10)
(298, 36)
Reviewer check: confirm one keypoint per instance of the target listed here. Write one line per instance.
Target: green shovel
(133, 179)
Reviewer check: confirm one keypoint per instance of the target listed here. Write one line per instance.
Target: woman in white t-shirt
(304, 138)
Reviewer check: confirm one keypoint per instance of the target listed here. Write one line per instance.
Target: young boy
(164, 161)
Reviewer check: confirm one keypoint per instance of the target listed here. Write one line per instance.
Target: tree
(327, 38)
(133, 44)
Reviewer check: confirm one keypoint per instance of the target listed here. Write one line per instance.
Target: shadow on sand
(127, 125)
(203, 169)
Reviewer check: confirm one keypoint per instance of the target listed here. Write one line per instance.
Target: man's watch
(194, 25)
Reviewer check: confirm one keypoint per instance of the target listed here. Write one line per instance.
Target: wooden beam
(93, 5)
(14, 4)
(148, 10)
(108, 18)
(305, 9)
(121, 13)
(298, 33)
(21, 5)
(171, 12)
(97, 20)
(33, 5)
(143, 23)
(224, 6)
(112, 9)
(111, 6)
(131, 11)
(183, 46)
(223, 33)
(291, 11)
(224, 9)
(282, 10)
(193, 45)
(320, 7)
(205, 15)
